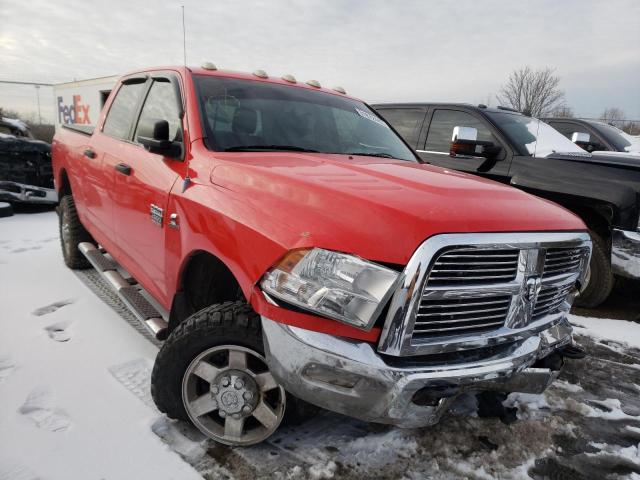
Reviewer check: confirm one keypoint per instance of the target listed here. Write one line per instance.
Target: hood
(376, 208)
(630, 154)
(9, 143)
(620, 159)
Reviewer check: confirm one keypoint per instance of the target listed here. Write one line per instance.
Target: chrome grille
(465, 291)
(559, 261)
(550, 299)
(454, 316)
(470, 265)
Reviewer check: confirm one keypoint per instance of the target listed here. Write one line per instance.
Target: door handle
(89, 153)
(123, 168)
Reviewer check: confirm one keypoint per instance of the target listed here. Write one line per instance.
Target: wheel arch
(598, 215)
(63, 184)
(203, 280)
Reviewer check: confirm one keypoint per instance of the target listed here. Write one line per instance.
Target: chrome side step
(127, 291)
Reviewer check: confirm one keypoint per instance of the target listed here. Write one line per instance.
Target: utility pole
(38, 98)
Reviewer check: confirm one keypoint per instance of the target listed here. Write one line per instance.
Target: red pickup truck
(287, 245)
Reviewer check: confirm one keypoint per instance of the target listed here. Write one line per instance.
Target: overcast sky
(460, 50)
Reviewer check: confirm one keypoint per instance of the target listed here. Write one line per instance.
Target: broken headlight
(336, 285)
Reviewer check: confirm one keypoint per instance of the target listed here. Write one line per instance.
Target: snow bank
(65, 412)
(602, 328)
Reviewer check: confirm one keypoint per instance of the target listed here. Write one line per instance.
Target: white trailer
(80, 102)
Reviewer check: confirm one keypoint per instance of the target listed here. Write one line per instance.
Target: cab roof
(447, 104)
(255, 76)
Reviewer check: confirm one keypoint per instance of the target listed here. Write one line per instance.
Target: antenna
(184, 38)
(187, 178)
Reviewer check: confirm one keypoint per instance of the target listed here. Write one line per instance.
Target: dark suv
(512, 148)
(594, 136)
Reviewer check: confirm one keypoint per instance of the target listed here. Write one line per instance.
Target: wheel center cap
(236, 393)
(230, 400)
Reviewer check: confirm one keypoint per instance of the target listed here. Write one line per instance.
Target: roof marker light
(209, 66)
(340, 90)
(289, 78)
(260, 73)
(313, 83)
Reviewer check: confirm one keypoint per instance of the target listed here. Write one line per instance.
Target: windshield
(623, 142)
(533, 136)
(246, 115)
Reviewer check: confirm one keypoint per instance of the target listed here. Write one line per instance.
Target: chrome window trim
(396, 337)
(434, 152)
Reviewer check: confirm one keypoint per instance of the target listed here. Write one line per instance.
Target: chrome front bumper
(625, 253)
(18, 192)
(349, 377)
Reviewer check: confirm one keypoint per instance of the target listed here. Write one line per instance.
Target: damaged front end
(26, 174)
(471, 314)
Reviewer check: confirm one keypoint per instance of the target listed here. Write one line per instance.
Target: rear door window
(121, 114)
(406, 121)
(443, 123)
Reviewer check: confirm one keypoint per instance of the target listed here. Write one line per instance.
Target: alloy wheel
(230, 395)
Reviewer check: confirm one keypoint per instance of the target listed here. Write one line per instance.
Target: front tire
(212, 371)
(600, 278)
(72, 233)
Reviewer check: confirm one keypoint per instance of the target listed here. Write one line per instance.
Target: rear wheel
(599, 282)
(6, 210)
(72, 233)
(212, 371)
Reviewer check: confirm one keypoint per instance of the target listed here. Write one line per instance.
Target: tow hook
(572, 351)
(490, 406)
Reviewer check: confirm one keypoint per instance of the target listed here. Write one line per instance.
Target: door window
(443, 123)
(120, 116)
(406, 121)
(568, 129)
(161, 104)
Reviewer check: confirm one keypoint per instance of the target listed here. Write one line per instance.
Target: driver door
(437, 144)
(143, 186)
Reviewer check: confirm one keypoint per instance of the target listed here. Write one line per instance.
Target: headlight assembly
(339, 286)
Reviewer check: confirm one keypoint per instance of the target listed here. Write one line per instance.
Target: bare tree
(534, 92)
(613, 115)
(563, 111)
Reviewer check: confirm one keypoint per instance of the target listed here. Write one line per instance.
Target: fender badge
(156, 215)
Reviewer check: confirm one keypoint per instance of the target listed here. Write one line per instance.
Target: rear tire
(6, 210)
(600, 278)
(72, 233)
(194, 373)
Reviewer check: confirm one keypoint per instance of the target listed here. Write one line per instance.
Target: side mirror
(580, 137)
(155, 138)
(465, 143)
(469, 134)
(583, 140)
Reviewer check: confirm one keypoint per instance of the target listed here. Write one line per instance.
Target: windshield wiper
(369, 154)
(257, 148)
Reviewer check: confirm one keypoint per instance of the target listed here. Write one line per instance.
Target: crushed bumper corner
(351, 378)
(21, 193)
(625, 253)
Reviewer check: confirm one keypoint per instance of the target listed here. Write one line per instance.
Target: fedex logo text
(76, 113)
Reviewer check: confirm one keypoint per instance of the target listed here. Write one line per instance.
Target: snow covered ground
(75, 403)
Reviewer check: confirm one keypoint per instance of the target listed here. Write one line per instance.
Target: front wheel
(599, 282)
(212, 371)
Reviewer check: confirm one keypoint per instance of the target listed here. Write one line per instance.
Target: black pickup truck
(507, 146)
(26, 175)
(595, 136)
